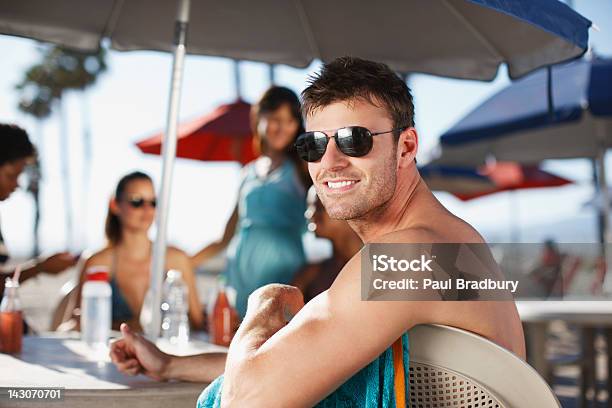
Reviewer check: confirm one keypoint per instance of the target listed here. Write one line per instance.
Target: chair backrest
(450, 367)
(67, 303)
(69, 294)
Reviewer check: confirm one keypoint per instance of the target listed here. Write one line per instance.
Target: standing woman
(129, 250)
(263, 236)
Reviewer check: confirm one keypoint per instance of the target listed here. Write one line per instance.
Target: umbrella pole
(237, 80)
(168, 153)
(604, 218)
(549, 94)
(598, 202)
(271, 74)
(515, 217)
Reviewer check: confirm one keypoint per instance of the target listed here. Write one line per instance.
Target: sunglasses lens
(354, 141)
(139, 202)
(311, 146)
(136, 202)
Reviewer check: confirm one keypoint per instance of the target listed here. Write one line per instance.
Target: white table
(89, 378)
(586, 315)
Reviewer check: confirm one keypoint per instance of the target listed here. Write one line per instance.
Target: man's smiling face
(351, 187)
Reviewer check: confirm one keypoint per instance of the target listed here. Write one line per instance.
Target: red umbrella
(509, 176)
(222, 135)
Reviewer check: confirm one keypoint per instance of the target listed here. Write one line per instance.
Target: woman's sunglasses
(138, 202)
(354, 141)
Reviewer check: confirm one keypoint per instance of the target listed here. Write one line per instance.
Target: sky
(129, 102)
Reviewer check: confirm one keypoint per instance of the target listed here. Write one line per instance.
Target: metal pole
(605, 195)
(515, 217)
(598, 203)
(237, 79)
(605, 218)
(65, 168)
(605, 205)
(271, 74)
(38, 176)
(549, 94)
(87, 163)
(168, 153)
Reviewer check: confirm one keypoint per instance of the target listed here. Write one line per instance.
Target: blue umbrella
(517, 123)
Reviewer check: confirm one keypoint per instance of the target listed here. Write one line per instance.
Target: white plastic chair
(450, 367)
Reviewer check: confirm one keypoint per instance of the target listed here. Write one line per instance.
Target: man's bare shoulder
(443, 228)
(447, 228)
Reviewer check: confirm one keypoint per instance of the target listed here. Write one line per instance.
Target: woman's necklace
(265, 166)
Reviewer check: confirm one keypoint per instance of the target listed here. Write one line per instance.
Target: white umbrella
(455, 38)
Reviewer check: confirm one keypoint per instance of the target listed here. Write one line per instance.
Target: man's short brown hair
(349, 78)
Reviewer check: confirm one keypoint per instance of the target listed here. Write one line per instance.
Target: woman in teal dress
(264, 234)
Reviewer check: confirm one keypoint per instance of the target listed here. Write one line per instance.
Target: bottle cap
(174, 274)
(10, 283)
(97, 273)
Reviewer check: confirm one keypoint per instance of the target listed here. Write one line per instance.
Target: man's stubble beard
(370, 201)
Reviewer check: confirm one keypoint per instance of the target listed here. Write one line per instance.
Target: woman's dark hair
(271, 100)
(14, 144)
(113, 223)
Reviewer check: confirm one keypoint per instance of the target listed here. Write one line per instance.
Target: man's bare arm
(328, 341)
(133, 354)
(202, 368)
(335, 335)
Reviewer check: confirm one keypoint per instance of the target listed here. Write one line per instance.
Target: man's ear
(407, 147)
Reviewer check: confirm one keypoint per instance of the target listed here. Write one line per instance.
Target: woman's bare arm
(214, 248)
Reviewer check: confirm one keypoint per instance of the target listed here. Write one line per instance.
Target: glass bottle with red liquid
(223, 319)
(11, 319)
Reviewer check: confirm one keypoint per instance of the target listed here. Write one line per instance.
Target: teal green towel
(372, 387)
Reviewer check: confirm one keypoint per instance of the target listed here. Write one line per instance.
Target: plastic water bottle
(96, 307)
(175, 321)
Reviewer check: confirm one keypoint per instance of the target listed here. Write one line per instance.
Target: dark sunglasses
(354, 141)
(137, 202)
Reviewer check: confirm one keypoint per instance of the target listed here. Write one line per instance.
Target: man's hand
(269, 310)
(272, 306)
(133, 354)
(58, 262)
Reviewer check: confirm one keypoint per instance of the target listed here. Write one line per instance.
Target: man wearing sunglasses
(360, 146)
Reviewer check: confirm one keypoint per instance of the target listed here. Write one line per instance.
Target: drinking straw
(16, 274)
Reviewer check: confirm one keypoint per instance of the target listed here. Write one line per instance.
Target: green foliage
(59, 70)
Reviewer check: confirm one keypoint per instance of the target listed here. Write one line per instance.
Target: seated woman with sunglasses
(264, 234)
(128, 253)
